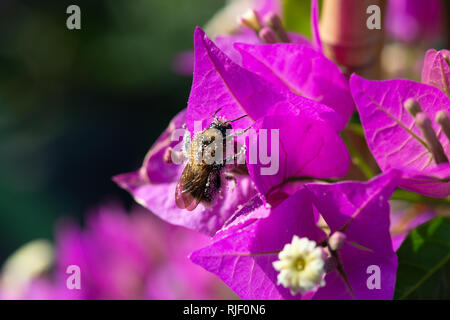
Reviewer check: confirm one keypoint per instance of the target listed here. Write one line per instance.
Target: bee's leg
(230, 177)
(237, 155)
(236, 134)
(186, 144)
(212, 188)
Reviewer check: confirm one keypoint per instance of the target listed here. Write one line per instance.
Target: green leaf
(424, 262)
(297, 16)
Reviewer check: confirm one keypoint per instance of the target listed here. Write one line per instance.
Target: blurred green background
(79, 106)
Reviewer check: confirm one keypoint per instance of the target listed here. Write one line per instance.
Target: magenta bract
(220, 83)
(360, 210)
(393, 137)
(302, 70)
(305, 147)
(436, 70)
(243, 258)
(153, 186)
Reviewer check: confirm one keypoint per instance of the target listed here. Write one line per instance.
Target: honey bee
(201, 177)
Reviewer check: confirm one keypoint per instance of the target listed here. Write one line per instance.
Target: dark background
(79, 106)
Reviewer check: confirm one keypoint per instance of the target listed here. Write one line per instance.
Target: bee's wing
(187, 194)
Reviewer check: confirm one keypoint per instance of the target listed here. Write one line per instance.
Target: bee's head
(223, 125)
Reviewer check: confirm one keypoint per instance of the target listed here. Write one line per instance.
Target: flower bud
(167, 157)
(336, 241)
(412, 106)
(251, 19)
(444, 121)
(435, 147)
(273, 21)
(171, 156)
(447, 59)
(267, 35)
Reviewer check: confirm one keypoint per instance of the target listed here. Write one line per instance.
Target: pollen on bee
(201, 177)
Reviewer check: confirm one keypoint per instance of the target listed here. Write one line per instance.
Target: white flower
(301, 265)
(24, 266)
(251, 19)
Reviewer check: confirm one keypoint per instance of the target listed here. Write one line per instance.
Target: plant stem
(410, 196)
(357, 158)
(356, 129)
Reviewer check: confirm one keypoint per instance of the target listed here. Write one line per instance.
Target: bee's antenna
(238, 118)
(231, 136)
(214, 115)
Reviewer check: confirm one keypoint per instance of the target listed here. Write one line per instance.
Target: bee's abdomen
(212, 187)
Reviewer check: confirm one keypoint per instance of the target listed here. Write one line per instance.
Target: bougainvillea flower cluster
(406, 125)
(120, 255)
(219, 82)
(302, 231)
(414, 20)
